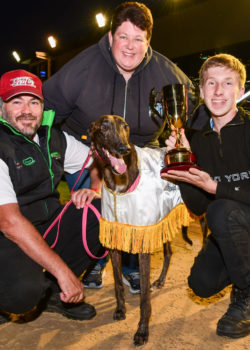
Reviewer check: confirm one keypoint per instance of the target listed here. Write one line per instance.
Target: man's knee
(200, 284)
(207, 282)
(22, 296)
(223, 214)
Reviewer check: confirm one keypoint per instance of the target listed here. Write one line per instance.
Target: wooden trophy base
(180, 166)
(179, 159)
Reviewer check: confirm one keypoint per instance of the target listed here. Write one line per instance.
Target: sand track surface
(179, 320)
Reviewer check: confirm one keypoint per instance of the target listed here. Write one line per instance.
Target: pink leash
(84, 219)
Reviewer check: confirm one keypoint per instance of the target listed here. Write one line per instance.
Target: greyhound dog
(120, 164)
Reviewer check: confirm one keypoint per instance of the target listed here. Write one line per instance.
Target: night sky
(26, 25)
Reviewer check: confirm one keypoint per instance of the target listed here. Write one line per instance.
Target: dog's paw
(158, 284)
(119, 315)
(140, 338)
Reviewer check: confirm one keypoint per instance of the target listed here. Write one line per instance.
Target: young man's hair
(135, 12)
(224, 60)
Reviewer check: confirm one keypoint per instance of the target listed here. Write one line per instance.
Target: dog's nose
(124, 149)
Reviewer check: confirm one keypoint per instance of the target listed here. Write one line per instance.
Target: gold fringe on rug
(143, 239)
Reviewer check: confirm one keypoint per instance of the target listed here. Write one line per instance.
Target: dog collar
(135, 183)
(98, 155)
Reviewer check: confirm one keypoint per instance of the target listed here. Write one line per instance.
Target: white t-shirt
(75, 155)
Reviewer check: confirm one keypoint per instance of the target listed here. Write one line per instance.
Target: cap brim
(7, 97)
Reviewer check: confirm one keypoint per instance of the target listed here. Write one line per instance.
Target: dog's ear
(91, 128)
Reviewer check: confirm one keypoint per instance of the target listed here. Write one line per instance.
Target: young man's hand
(195, 177)
(171, 141)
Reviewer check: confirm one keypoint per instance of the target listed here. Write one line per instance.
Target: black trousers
(225, 258)
(23, 282)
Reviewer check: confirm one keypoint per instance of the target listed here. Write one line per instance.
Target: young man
(33, 156)
(221, 189)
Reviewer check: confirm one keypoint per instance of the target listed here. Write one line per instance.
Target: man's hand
(195, 177)
(171, 141)
(84, 196)
(71, 288)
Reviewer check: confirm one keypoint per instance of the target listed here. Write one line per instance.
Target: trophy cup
(175, 100)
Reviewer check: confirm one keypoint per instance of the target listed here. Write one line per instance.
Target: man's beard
(31, 131)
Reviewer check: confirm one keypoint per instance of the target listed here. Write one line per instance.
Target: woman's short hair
(135, 12)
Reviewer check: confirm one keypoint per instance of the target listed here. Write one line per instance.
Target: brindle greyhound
(114, 153)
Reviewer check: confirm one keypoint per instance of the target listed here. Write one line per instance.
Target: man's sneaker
(79, 311)
(235, 323)
(93, 277)
(133, 281)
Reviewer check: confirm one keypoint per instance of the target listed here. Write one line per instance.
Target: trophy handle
(162, 133)
(152, 103)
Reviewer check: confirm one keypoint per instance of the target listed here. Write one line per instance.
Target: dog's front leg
(141, 336)
(120, 311)
(167, 252)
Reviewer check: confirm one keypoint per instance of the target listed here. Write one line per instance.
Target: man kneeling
(33, 157)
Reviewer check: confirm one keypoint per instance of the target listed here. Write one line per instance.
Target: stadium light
(16, 56)
(100, 20)
(52, 41)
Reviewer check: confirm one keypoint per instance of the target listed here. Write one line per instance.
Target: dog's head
(110, 141)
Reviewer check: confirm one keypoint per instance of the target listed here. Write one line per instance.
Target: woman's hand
(84, 196)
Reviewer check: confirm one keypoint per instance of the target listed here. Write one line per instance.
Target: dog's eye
(104, 127)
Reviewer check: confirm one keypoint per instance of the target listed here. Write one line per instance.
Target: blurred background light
(52, 41)
(100, 20)
(16, 56)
